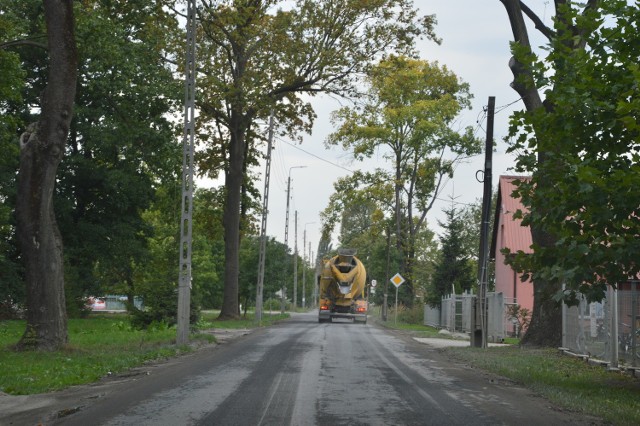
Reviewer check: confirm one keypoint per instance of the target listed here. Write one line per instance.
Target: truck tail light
(324, 308)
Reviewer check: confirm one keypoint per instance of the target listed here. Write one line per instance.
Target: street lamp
(304, 271)
(286, 236)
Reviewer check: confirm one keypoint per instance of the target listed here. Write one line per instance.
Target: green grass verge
(568, 382)
(99, 345)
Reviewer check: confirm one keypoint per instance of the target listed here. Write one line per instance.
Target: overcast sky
(475, 46)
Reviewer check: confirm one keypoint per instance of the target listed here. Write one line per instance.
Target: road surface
(299, 372)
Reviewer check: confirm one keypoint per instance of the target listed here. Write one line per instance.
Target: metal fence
(117, 303)
(608, 331)
(457, 310)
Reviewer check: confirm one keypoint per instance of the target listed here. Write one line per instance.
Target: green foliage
(121, 143)
(453, 272)
(157, 278)
(410, 106)
(208, 248)
(11, 85)
(261, 59)
(409, 315)
(522, 317)
(586, 188)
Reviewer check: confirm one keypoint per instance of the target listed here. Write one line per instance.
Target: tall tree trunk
(398, 207)
(545, 328)
(231, 221)
(41, 149)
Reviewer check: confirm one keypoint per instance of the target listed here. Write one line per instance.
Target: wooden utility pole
(480, 332)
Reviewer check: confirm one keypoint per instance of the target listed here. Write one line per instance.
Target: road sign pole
(395, 320)
(397, 281)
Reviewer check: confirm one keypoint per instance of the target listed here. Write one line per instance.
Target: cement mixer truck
(341, 288)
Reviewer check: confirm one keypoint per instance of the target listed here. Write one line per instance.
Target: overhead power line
(315, 156)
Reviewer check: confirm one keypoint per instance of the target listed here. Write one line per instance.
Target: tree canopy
(406, 116)
(580, 147)
(261, 58)
(592, 129)
(121, 143)
(453, 272)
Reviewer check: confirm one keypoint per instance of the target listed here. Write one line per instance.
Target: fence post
(634, 313)
(565, 311)
(613, 296)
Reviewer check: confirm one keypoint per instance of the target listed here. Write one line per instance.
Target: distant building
(509, 233)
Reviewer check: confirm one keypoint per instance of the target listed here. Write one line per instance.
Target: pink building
(509, 233)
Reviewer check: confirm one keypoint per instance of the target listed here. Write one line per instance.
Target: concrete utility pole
(188, 143)
(313, 261)
(295, 262)
(388, 277)
(480, 335)
(313, 280)
(286, 239)
(304, 256)
(263, 226)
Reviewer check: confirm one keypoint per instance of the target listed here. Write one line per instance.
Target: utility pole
(304, 256)
(312, 266)
(312, 261)
(286, 238)
(295, 262)
(388, 277)
(188, 143)
(263, 226)
(304, 267)
(480, 334)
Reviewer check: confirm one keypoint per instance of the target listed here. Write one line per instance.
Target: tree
(208, 247)
(121, 143)
(41, 149)
(279, 260)
(581, 146)
(11, 84)
(121, 147)
(453, 271)
(471, 215)
(410, 106)
(260, 59)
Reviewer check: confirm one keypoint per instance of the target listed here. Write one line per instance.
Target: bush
(10, 310)
(414, 315)
(160, 307)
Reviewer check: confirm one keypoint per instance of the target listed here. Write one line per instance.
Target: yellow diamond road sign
(397, 280)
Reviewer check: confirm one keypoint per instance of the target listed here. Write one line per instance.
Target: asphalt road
(298, 373)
